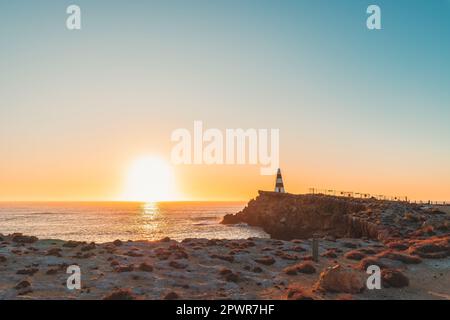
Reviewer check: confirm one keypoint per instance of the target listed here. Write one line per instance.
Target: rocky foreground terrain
(224, 269)
(409, 243)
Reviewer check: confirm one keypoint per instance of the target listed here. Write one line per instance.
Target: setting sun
(149, 179)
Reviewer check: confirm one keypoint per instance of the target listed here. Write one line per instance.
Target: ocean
(108, 221)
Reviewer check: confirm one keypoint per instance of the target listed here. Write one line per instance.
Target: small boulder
(28, 271)
(56, 252)
(355, 255)
(71, 244)
(300, 294)
(88, 247)
(145, 267)
(403, 257)
(393, 278)
(266, 260)
(177, 265)
(117, 243)
(51, 271)
(22, 285)
(340, 279)
(128, 268)
(19, 238)
(257, 269)
(224, 257)
(172, 295)
(330, 254)
(306, 267)
(120, 294)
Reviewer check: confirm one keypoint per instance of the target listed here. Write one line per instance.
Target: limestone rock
(340, 279)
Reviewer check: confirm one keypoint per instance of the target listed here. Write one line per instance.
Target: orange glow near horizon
(150, 179)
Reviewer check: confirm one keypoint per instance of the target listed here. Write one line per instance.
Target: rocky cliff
(287, 216)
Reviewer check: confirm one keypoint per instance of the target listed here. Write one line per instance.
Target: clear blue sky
(356, 108)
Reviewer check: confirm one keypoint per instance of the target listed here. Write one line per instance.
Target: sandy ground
(199, 269)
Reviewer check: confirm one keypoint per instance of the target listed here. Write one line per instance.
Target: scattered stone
(432, 248)
(120, 294)
(305, 267)
(133, 253)
(117, 243)
(340, 279)
(145, 267)
(228, 258)
(114, 263)
(171, 296)
(286, 256)
(330, 254)
(225, 271)
(393, 278)
(128, 268)
(266, 260)
(22, 285)
(165, 239)
(355, 255)
(19, 238)
(71, 244)
(232, 277)
(177, 265)
(403, 257)
(180, 254)
(300, 294)
(56, 252)
(29, 271)
(51, 271)
(257, 269)
(2, 259)
(229, 275)
(298, 249)
(369, 250)
(350, 245)
(398, 245)
(88, 247)
(162, 253)
(291, 270)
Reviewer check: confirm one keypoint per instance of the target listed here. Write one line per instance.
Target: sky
(357, 109)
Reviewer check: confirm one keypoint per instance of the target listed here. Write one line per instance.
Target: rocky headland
(287, 216)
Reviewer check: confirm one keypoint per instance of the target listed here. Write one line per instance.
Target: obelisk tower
(279, 187)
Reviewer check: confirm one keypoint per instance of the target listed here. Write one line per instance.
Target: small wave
(46, 213)
(202, 224)
(241, 225)
(201, 218)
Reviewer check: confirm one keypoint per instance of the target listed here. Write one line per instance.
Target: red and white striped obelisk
(279, 187)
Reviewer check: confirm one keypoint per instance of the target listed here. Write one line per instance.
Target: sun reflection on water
(151, 220)
(150, 210)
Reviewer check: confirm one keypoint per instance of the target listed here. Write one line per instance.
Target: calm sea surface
(103, 222)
